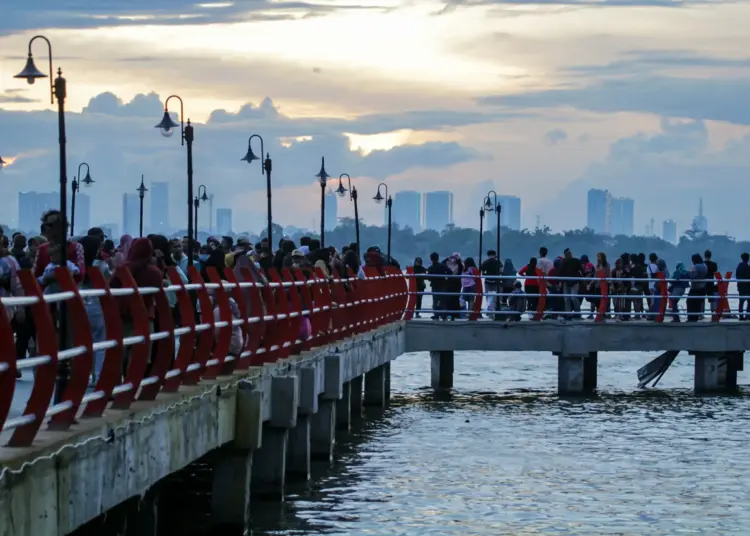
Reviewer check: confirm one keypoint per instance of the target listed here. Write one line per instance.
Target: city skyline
(538, 101)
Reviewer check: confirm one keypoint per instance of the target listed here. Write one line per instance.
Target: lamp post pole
(57, 92)
(389, 205)
(489, 206)
(75, 186)
(322, 178)
(341, 190)
(167, 126)
(198, 199)
(141, 194)
(265, 168)
(481, 233)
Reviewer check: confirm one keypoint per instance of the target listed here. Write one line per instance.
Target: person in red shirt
(531, 285)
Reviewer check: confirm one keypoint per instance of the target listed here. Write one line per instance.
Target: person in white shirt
(544, 264)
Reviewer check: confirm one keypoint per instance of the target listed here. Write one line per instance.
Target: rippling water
(503, 455)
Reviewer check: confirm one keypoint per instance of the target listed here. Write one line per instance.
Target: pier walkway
(259, 417)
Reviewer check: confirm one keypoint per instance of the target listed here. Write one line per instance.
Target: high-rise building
(83, 213)
(438, 210)
(407, 209)
(331, 202)
(224, 221)
(131, 214)
(510, 214)
(599, 215)
(669, 231)
(621, 216)
(700, 223)
(31, 206)
(159, 200)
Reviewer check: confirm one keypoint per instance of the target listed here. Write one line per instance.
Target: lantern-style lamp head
(167, 126)
(322, 175)
(30, 73)
(378, 197)
(250, 156)
(341, 190)
(87, 180)
(142, 189)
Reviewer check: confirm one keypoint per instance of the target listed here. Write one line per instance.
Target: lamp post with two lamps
(75, 186)
(167, 127)
(198, 199)
(389, 205)
(323, 178)
(341, 190)
(481, 232)
(489, 206)
(265, 168)
(141, 194)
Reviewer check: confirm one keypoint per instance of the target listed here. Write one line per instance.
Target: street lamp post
(323, 178)
(167, 127)
(341, 190)
(75, 186)
(198, 199)
(57, 92)
(389, 205)
(489, 206)
(481, 233)
(141, 194)
(265, 168)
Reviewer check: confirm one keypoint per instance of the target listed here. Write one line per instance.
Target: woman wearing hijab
(509, 272)
(146, 274)
(121, 254)
(452, 301)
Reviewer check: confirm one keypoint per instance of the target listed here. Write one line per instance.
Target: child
(47, 279)
(517, 302)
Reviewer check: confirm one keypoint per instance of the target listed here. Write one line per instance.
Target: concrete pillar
(298, 450)
(344, 408)
(323, 431)
(356, 386)
(576, 374)
(269, 467)
(230, 493)
(375, 388)
(716, 371)
(441, 366)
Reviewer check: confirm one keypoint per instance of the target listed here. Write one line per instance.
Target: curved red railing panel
(206, 336)
(663, 297)
(271, 344)
(339, 303)
(82, 365)
(111, 373)
(306, 298)
(476, 311)
(224, 338)
(324, 295)
(356, 298)
(541, 305)
(44, 375)
(187, 340)
(601, 311)
(282, 338)
(7, 356)
(139, 352)
(162, 351)
(295, 308)
(256, 332)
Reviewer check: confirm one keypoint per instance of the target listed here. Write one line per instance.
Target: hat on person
(95, 231)
(298, 253)
(243, 241)
(304, 249)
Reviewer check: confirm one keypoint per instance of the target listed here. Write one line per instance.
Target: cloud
(555, 136)
(19, 15)
(14, 96)
(119, 141)
(666, 173)
(450, 5)
(719, 99)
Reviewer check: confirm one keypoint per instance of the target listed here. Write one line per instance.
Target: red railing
(288, 313)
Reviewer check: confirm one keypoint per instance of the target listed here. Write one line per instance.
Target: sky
(645, 98)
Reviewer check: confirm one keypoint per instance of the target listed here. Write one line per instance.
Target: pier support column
(357, 387)
(344, 408)
(576, 374)
(375, 388)
(269, 467)
(232, 470)
(441, 366)
(323, 431)
(717, 371)
(298, 450)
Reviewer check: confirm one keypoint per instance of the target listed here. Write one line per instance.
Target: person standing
(437, 276)
(571, 268)
(419, 275)
(742, 274)
(491, 271)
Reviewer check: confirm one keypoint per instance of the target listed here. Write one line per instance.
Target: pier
(95, 461)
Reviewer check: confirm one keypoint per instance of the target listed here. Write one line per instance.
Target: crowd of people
(149, 261)
(632, 286)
